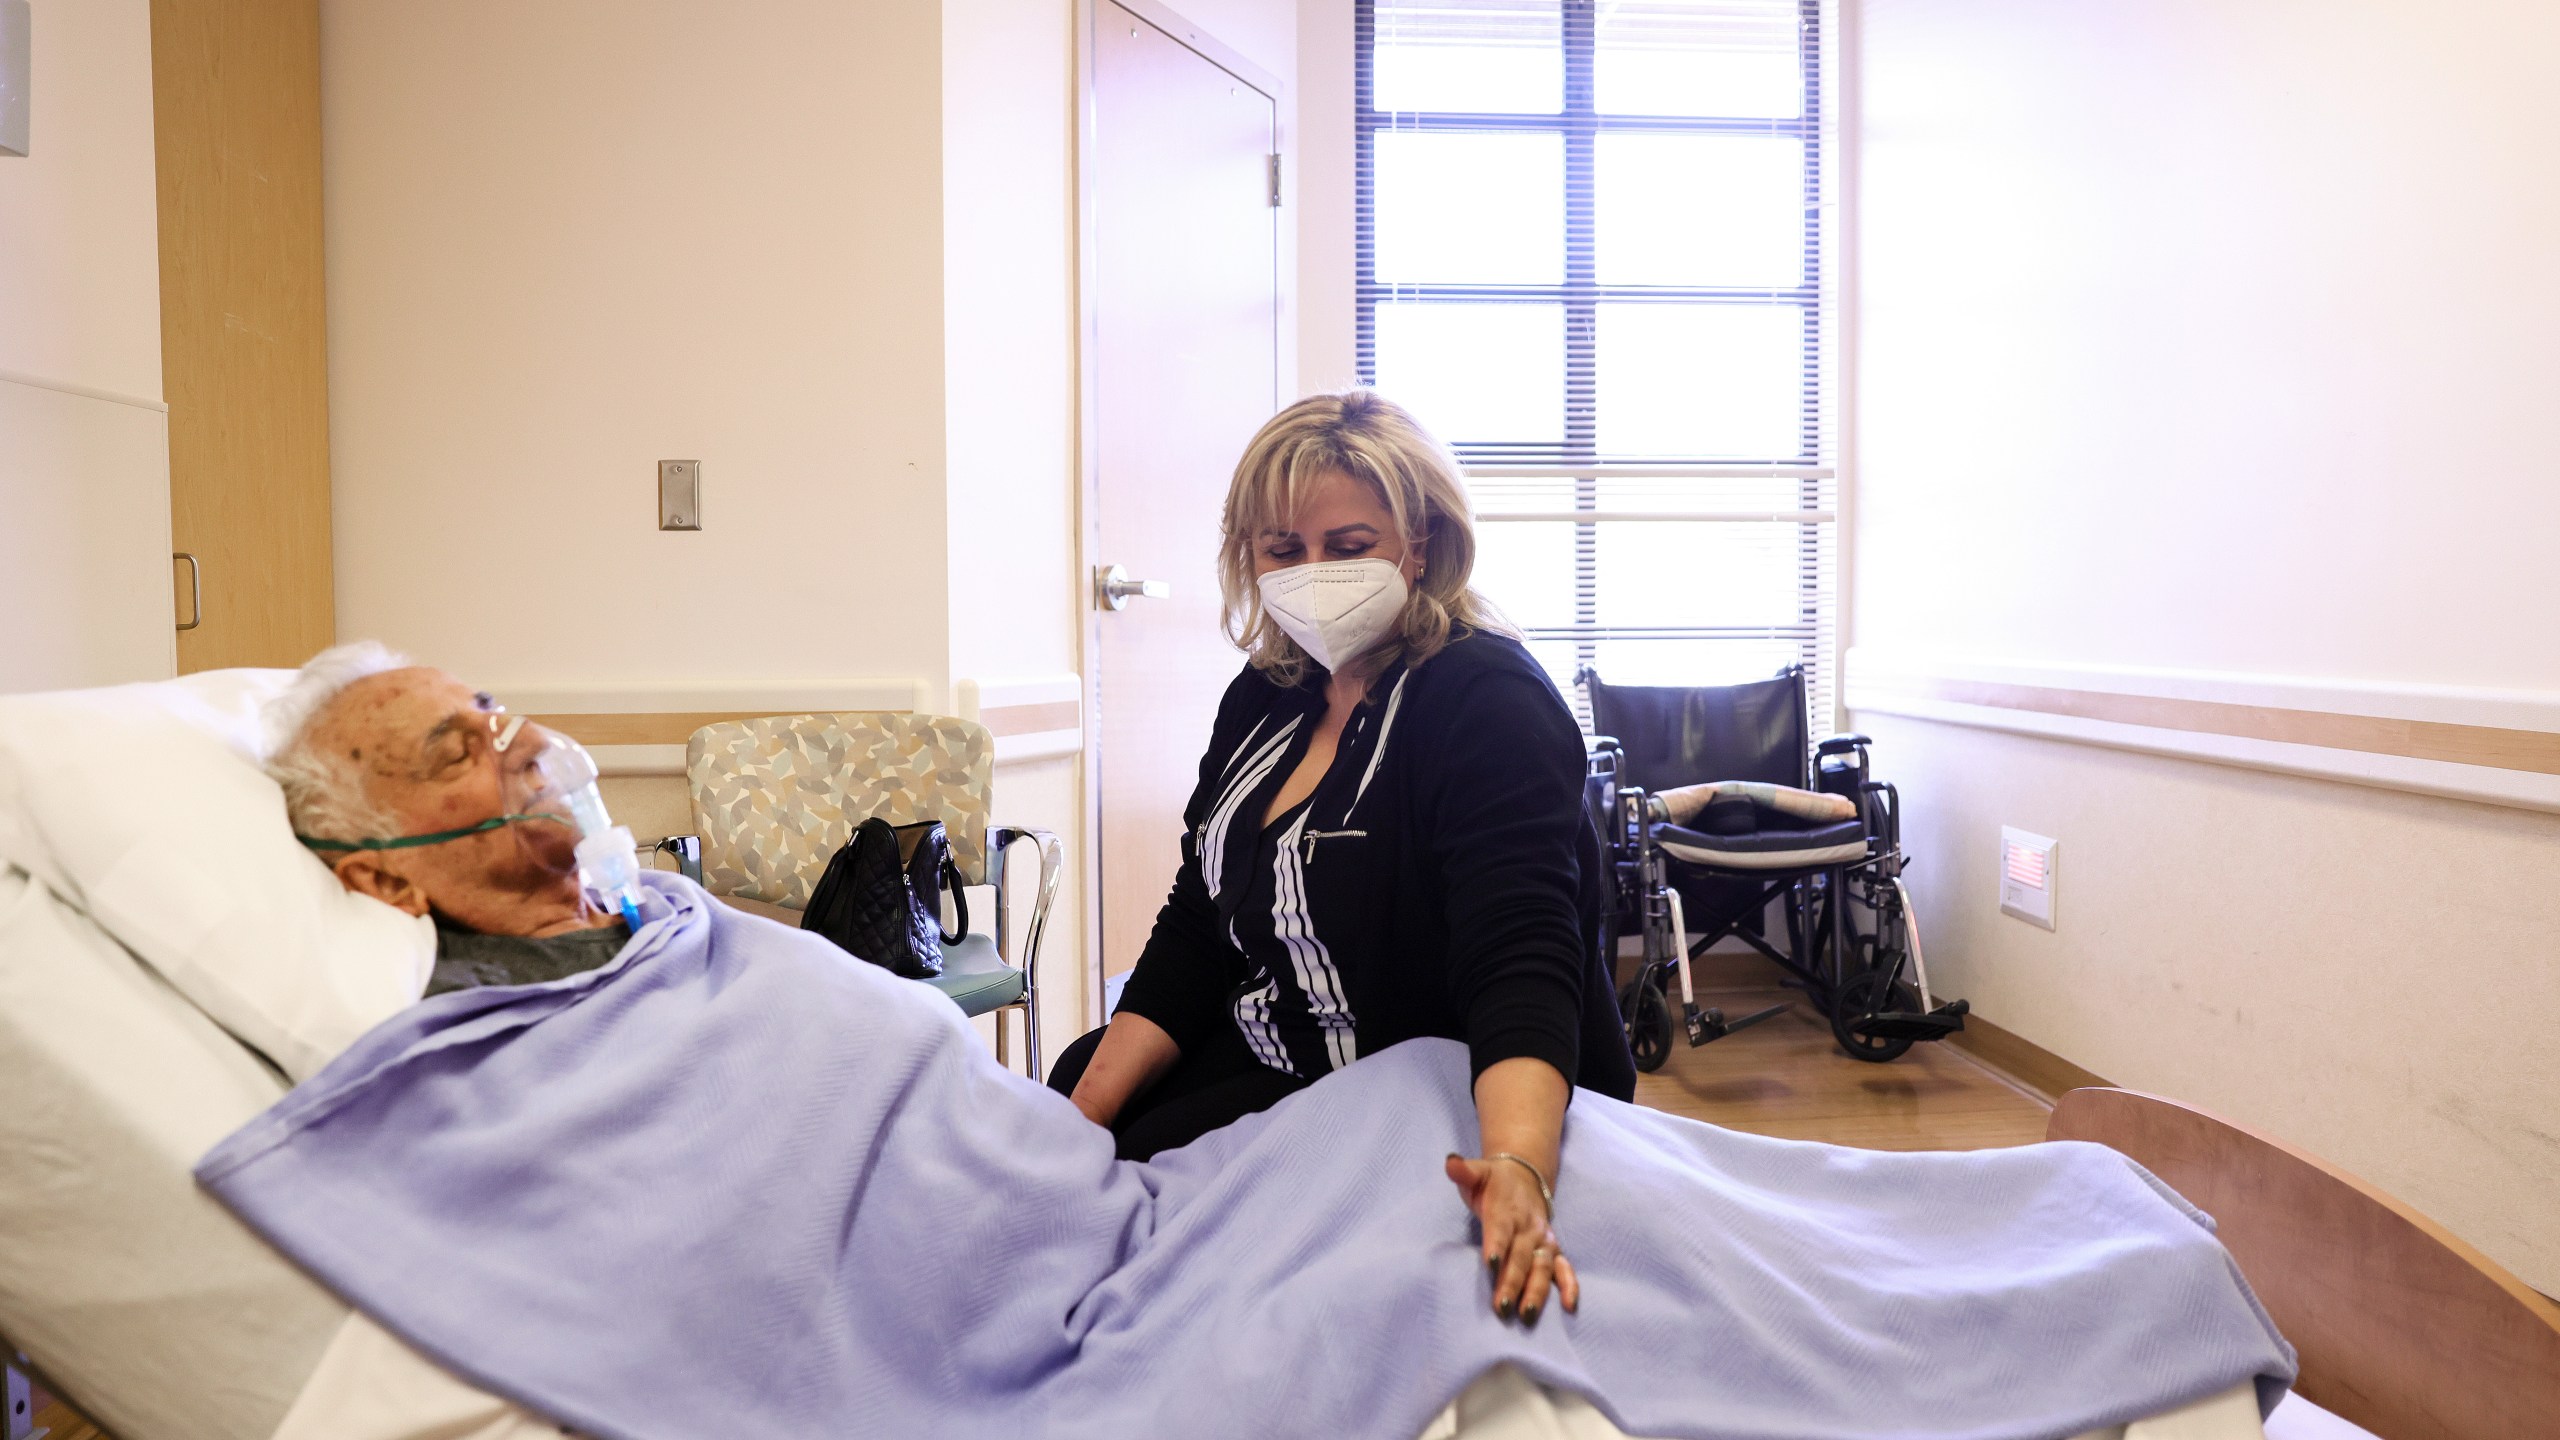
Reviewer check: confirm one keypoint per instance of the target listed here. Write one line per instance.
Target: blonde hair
(1376, 442)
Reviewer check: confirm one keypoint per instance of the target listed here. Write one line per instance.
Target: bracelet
(1546, 1191)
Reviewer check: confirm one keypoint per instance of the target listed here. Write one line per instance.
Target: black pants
(1214, 1083)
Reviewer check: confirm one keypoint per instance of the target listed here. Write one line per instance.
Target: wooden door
(1184, 368)
(235, 90)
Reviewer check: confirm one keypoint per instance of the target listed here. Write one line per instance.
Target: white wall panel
(84, 439)
(79, 215)
(2218, 336)
(2362, 972)
(84, 543)
(2212, 334)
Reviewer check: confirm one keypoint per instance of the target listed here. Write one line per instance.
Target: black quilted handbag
(881, 898)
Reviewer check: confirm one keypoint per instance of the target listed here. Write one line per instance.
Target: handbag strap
(950, 880)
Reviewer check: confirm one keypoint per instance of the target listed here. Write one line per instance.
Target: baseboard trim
(2021, 1061)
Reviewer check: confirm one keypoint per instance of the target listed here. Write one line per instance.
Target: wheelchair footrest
(1710, 1023)
(1938, 1024)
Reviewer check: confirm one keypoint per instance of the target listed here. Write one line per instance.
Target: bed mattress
(144, 1302)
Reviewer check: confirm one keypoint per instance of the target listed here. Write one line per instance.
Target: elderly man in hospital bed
(424, 794)
(679, 1170)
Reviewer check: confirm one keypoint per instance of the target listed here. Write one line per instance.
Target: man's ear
(363, 872)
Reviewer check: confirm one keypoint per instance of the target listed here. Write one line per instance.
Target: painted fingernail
(1502, 1308)
(1530, 1315)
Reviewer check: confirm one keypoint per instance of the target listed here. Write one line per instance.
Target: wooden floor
(57, 1421)
(1783, 1077)
(1786, 1077)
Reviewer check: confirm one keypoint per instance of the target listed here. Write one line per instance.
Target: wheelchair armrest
(688, 852)
(1842, 744)
(1886, 826)
(1000, 842)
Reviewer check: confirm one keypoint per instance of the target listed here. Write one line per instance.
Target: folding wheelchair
(1848, 937)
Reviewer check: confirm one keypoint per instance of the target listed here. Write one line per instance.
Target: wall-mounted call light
(2026, 876)
(17, 32)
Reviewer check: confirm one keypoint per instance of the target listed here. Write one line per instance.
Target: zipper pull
(1313, 836)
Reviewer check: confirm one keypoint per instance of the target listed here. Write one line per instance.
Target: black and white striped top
(1441, 880)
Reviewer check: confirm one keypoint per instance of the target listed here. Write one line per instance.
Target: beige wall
(84, 459)
(569, 239)
(826, 249)
(2215, 335)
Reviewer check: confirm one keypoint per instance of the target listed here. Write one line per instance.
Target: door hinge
(1273, 171)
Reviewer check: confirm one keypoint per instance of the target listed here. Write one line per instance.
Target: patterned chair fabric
(775, 798)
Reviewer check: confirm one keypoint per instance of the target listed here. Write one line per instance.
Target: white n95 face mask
(1336, 610)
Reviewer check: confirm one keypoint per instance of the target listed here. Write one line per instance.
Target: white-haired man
(413, 787)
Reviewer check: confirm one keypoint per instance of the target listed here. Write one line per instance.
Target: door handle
(195, 588)
(1113, 589)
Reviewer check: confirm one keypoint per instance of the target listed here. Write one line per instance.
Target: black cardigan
(1445, 879)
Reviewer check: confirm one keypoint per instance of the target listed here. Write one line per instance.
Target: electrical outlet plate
(679, 494)
(2026, 876)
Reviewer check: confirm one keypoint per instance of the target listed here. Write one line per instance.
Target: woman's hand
(1520, 1246)
(1520, 1119)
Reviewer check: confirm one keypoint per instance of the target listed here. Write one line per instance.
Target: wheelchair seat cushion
(1777, 844)
(1733, 802)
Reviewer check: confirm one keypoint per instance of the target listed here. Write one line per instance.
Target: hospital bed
(144, 1304)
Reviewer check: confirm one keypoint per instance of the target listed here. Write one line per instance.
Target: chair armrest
(1000, 842)
(688, 852)
(1842, 744)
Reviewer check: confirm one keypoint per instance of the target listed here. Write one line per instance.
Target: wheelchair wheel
(1648, 1019)
(1863, 996)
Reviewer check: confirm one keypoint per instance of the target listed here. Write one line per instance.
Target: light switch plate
(17, 63)
(679, 494)
(2026, 876)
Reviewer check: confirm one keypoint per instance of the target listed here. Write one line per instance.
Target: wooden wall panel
(243, 333)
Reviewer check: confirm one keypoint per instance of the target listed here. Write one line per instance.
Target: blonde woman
(1387, 840)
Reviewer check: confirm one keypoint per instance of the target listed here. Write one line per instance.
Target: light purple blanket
(737, 1184)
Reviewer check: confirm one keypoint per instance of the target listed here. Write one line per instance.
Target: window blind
(1591, 249)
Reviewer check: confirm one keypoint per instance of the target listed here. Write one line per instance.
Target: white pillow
(144, 805)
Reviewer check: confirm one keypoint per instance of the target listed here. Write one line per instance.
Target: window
(1591, 256)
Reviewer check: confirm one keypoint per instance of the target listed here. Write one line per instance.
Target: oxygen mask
(563, 778)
